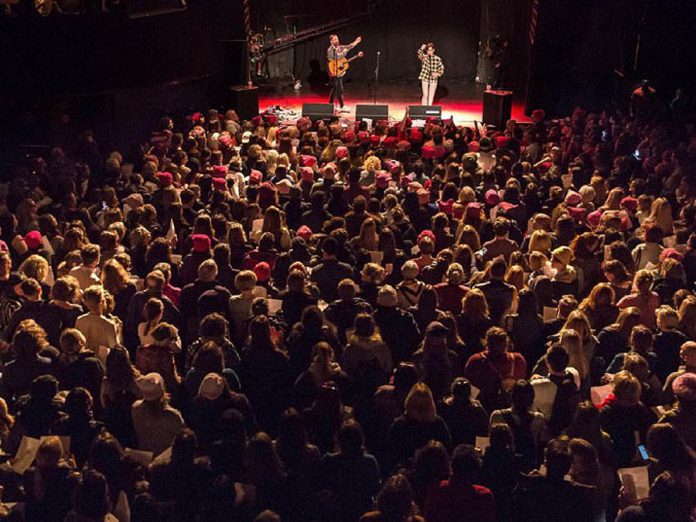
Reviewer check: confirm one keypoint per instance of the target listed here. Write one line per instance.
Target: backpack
(505, 383)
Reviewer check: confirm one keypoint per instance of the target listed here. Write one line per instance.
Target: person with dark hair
(330, 271)
(466, 419)
(265, 374)
(499, 294)
(49, 483)
(394, 503)
(90, 499)
(183, 479)
(79, 424)
(528, 427)
(547, 497)
(495, 370)
(350, 475)
(460, 498)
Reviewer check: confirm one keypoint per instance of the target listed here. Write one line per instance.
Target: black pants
(336, 90)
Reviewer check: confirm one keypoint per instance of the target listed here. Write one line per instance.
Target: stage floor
(463, 100)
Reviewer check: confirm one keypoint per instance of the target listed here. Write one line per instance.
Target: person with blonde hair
(451, 292)
(668, 341)
(625, 418)
(97, 328)
(643, 298)
(661, 215)
(36, 267)
(474, 320)
(419, 424)
(687, 317)
(467, 235)
(240, 305)
(117, 281)
(540, 241)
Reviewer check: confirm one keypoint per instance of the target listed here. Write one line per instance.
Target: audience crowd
(255, 320)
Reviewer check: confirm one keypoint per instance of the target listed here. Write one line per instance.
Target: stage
(462, 100)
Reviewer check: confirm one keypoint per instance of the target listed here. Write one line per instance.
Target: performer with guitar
(338, 65)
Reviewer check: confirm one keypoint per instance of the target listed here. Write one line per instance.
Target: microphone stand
(374, 92)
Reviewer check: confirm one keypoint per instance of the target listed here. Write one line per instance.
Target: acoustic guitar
(338, 68)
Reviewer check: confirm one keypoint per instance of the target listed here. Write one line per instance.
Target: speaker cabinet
(497, 107)
(317, 111)
(245, 100)
(372, 112)
(423, 112)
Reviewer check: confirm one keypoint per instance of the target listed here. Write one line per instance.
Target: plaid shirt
(431, 65)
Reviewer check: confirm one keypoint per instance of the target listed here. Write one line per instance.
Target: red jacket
(460, 503)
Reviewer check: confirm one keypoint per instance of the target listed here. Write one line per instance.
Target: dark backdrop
(397, 29)
(584, 53)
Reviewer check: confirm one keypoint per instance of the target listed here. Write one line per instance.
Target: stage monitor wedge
(423, 112)
(317, 111)
(245, 100)
(374, 112)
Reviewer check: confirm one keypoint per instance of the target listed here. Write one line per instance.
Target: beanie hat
(684, 387)
(219, 171)
(383, 178)
(563, 254)
(308, 161)
(219, 183)
(165, 178)
(305, 232)
(492, 197)
(572, 198)
(342, 152)
(262, 271)
(201, 242)
(630, 203)
(33, 239)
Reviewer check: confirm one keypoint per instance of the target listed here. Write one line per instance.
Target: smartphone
(643, 452)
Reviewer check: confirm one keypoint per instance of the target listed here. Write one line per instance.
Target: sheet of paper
(474, 391)
(377, 256)
(549, 313)
(141, 457)
(274, 306)
(26, 454)
(635, 481)
(257, 225)
(483, 443)
(567, 180)
(544, 396)
(669, 241)
(599, 393)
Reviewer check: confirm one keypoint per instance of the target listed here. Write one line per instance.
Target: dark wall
(585, 51)
(78, 54)
(396, 29)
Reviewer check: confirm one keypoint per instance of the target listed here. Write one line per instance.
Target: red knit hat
(201, 242)
(33, 239)
(262, 271)
(165, 178)
(305, 232)
(219, 183)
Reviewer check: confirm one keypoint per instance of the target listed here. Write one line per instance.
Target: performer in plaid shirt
(431, 69)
